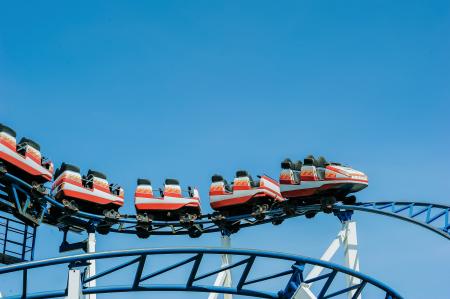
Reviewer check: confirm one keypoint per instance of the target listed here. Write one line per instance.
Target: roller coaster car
(245, 196)
(24, 160)
(90, 193)
(317, 181)
(172, 204)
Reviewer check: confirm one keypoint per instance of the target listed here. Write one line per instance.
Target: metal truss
(247, 283)
(18, 198)
(434, 216)
(17, 241)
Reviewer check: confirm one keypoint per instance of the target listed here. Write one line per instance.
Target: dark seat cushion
(172, 182)
(8, 130)
(298, 165)
(143, 182)
(286, 164)
(66, 166)
(321, 162)
(96, 173)
(310, 161)
(241, 173)
(216, 178)
(30, 142)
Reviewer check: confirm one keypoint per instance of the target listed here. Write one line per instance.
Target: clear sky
(186, 89)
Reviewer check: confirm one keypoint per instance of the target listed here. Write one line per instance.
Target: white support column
(351, 254)
(226, 260)
(74, 284)
(346, 237)
(91, 269)
(328, 254)
(224, 278)
(303, 292)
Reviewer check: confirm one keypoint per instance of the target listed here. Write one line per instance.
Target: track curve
(326, 286)
(409, 212)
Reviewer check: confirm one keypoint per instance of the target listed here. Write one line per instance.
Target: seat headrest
(241, 173)
(97, 174)
(308, 161)
(144, 182)
(217, 178)
(66, 166)
(321, 162)
(8, 130)
(30, 142)
(286, 164)
(298, 165)
(171, 182)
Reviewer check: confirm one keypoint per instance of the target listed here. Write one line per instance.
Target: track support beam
(74, 284)
(351, 255)
(91, 269)
(224, 278)
(346, 238)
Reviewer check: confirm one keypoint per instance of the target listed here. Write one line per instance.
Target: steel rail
(409, 212)
(245, 286)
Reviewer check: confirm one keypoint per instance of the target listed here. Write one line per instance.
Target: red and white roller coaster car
(91, 193)
(24, 159)
(245, 196)
(316, 181)
(170, 205)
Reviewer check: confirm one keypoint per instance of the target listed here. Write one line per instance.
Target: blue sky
(187, 89)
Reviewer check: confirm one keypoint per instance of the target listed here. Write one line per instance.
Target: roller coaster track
(434, 217)
(247, 262)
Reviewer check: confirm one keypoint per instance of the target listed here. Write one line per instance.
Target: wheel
(143, 218)
(38, 190)
(327, 204)
(349, 200)
(310, 215)
(111, 214)
(217, 217)
(277, 221)
(103, 228)
(259, 212)
(195, 231)
(143, 232)
(188, 219)
(70, 205)
(260, 216)
(289, 210)
(233, 228)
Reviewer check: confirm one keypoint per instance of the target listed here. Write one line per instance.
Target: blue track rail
(247, 283)
(434, 217)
